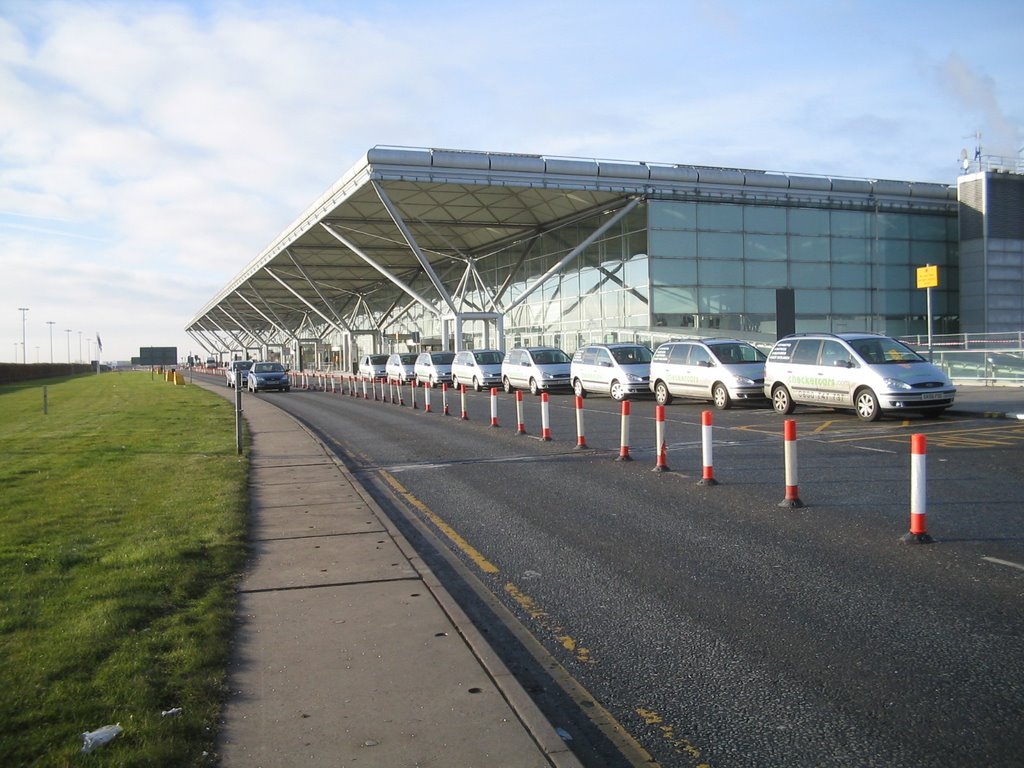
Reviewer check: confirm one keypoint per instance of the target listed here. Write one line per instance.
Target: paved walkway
(349, 651)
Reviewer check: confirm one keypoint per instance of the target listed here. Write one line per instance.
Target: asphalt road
(714, 626)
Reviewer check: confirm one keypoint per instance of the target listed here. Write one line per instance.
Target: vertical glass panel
(720, 272)
(674, 300)
(852, 250)
(765, 247)
(808, 248)
(808, 221)
(812, 302)
(669, 215)
(760, 300)
(635, 272)
(811, 275)
(722, 217)
(717, 245)
(673, 244)
(922, 253)
(765, 274)
(896, 277)
(893, 252)
(850, 302)
(764, 218)
(851, 276)
(849, 224)
(721, 300)
(893, 225)
(673, 272)
(923, 227)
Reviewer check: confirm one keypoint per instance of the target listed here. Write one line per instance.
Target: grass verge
(122, 539)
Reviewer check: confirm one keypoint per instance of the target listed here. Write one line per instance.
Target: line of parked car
(868, 373)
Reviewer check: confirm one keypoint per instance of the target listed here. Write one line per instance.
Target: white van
(720, 370)
(618, 370)
(535, 368)
(867, 372)
(477, 368)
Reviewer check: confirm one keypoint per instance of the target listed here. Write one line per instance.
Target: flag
(99, 344)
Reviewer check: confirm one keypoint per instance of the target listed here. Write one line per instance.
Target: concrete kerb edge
(538, 726)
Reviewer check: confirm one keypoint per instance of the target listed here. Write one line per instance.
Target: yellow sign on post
(928, 277)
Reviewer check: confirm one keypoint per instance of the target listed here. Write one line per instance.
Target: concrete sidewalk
(349, 652)
(995, 402)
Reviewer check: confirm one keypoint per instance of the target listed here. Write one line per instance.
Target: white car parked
(477, 368)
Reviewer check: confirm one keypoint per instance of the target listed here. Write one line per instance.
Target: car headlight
(632, 378)
(743, 381)
(896, 384)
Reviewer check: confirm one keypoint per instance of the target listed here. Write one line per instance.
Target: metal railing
(990, 358)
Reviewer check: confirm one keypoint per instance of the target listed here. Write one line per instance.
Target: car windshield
(268, 368)
(631, 355)
(883, 351)
(487, 358)
(732, 354)
(244, 365)
(442, 358)
(378, 359)
(408, 359)
(550, 357)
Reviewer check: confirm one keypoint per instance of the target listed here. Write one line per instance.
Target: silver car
(372, 366)
(867, 372)
(720, 370)
(536, 369)
(618, 370)
(477, 368)
(433, 368)
(400, 367)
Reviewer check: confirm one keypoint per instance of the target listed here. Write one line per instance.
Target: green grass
(122, 529)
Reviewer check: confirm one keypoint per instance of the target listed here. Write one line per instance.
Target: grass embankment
(121, 543)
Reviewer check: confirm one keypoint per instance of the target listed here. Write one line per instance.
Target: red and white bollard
(426, 397)
(545, 417)
(444, 399)
(792, 499)
(624, 434)
(365, 396)
(412, 393)
(494, 406)
(918, 533)
(659, 437)
(520, 424)
(581, 440)
(708, 476)
(462, 397)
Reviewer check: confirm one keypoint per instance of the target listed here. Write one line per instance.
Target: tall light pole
(51, 324)
(23, 310)
(68, 332)
(79, 346)
(89, 343)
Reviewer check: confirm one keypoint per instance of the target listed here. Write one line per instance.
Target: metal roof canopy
(408, 226)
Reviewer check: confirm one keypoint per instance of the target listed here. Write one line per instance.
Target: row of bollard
(391, 391)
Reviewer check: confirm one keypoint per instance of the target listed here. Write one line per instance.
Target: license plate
(933, 396)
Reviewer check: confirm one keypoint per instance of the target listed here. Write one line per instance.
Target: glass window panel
(720, 272)
(812, 302)
(893, 252)
(717, 245)
(765, 247)
(811, 276)
(760, 300)
(808, 221)
(588, 280)
(850, 249)
(636, 271)
(851, 276)
(673, 272)
(891, 302)
(922, 253)
(764, 218)
(808, 248)
(849, 224)
(766, 274)
(894, 225)
(897, 277)
(673, 245)
(720, 216)
(850, 302)
(635, 303)
(720, 300)
(927, 227)
(673, 300)
(668, 215)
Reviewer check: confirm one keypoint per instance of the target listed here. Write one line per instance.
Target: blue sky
(150, 150)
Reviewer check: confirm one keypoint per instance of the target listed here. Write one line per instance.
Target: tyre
(577, 387)
(455, 382)
(617, 391)
(781, 400)
(661, 394)
(534, 387)
(476, 384)
(867, 405)
(720, 395)
(506, 385)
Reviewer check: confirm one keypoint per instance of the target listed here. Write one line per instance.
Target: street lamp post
(51, 324)
(79, 346)
(23, 310)
(68, 332)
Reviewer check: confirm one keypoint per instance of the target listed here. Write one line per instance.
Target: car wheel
(577, 387)
(781, 401)
(534, 388)
(721, 396)
(617, 391)
(661, 394)
(867, 405)
(476, 384)
(506, 385)
(455, 381)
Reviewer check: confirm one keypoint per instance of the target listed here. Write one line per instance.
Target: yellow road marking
(824, 425)
(680, 745)
(471, 552)
(538, 614)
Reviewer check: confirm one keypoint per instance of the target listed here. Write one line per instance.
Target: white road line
(1018, 566)
(876, 450)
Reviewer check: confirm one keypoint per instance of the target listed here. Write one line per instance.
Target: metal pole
(238, 416)
(24, 349)
(929, 290)
(68, 332)
(51, 323)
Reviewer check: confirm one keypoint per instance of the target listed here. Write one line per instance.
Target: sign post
(928, 278)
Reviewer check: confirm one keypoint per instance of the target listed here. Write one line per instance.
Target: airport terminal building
(446, 249)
